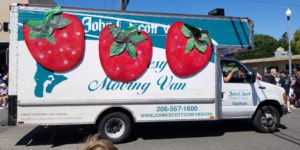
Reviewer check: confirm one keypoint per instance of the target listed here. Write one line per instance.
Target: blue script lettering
(166, 82)
(108, 85)
(239, 103)
(94, 25)
(159, 66)
(234, 93)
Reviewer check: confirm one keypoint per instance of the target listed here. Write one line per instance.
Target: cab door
(238, 94)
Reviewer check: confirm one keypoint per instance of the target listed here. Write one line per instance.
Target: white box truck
(115, 68)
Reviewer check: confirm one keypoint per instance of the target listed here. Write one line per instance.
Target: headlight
(284, 97)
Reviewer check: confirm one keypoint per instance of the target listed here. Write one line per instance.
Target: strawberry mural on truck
(57, 42)
(124, 55)
(188, 49)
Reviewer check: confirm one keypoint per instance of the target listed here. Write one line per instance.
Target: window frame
(241, 67)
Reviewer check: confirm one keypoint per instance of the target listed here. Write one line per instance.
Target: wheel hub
(268, 119)
(114, 127)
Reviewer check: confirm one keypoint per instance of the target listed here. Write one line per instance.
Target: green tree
(283, 41)
(264, 46)
(296, 42)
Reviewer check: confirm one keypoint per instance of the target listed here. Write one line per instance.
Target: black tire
(267, 119)
(115, 126)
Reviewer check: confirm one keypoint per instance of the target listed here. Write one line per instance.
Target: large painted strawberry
(188, 49)
(124, 55)
(57, 42)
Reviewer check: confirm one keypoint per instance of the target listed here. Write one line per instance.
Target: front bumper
(284, 110)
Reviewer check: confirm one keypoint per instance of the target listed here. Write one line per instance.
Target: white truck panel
(88, 82)
(88, 114)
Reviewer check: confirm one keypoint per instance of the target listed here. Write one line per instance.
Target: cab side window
(233, 72)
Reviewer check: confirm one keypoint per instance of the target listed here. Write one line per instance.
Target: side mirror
(251, 77)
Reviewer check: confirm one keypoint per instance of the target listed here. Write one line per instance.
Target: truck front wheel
(267, 119)
(115, 126)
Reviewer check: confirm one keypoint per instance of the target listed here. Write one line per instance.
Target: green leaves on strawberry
(44, 29)
(124, 55)
(57, 42)
(188, 49)
(196, 37)
(125, 40)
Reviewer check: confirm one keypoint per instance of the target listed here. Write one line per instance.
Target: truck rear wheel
(267, 119)
(115, 126)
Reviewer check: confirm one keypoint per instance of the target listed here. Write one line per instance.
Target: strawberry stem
(125, 40)
(44, 29)
(196, 38)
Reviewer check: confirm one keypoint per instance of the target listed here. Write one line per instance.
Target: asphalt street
(212, 135)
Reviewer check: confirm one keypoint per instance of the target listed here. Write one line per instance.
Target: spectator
(228, 77)
(1, 80)
(269, 78)
(277, 78)
(297, 89)
(259, 77)
(5, 78)
(273, 72)
(286, 82)
(295, 71)
(93, 143)
(4, 95)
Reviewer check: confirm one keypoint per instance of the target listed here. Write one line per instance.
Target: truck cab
(243, 96)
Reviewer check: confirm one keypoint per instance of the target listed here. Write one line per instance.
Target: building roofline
(270, 59)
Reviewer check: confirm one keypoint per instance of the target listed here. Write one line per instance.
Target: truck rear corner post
(12, 111)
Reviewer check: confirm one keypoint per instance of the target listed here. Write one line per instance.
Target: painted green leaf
(50, 31)
(200, 47)
(186, 31)
(41, 33)
(130, 50)
(51, 39)
(37, 34)
(189, 45)
(114, 31)
(195, 30)
(35, 25)
(137, 39)
(117, 34)
(117, 48)
(52, 19)
(132, 30)
(121, 37)
(205, 39)
(52, 13)
(58, 22)
(204, 42)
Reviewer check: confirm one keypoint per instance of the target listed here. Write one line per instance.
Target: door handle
(262, 87)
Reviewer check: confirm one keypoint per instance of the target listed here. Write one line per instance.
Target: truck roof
(229, 34)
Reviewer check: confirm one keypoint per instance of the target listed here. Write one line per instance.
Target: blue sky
(268, 15)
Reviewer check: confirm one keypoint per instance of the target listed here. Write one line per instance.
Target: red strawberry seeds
(188, 49)
(124, 56)
(60, 50)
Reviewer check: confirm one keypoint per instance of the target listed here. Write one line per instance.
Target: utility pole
(122, 6)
